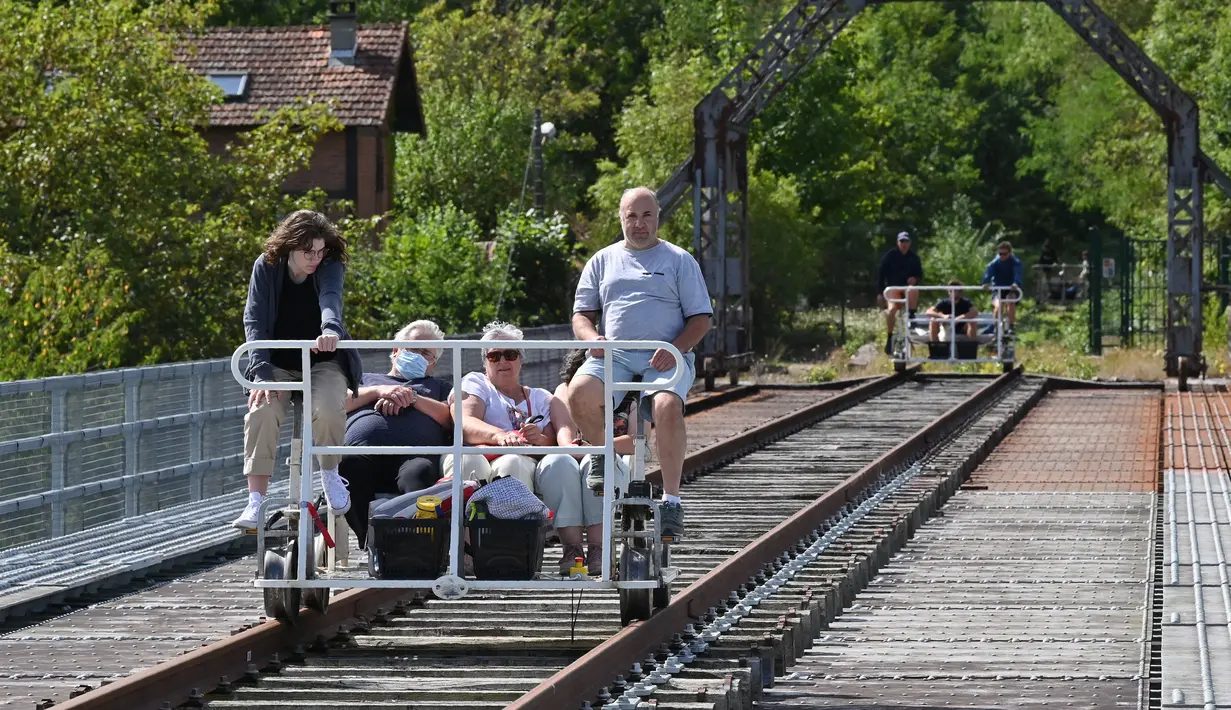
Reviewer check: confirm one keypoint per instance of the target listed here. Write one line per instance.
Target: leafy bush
(957, 248)
(481, 74)
(429, 266)
(541, 279)
(124, 241)
(823, 372)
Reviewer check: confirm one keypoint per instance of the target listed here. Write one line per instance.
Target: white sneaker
(250, 518)
(336, 492)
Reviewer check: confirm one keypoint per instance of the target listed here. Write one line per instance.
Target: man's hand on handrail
(597, 352)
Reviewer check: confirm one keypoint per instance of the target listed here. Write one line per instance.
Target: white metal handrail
(458, 449)
(1001, 293)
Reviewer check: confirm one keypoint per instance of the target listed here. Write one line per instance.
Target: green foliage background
(123, 241)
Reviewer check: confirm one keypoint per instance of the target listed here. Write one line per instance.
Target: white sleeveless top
(501, 411)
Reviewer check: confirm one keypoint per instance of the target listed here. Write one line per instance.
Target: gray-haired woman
(499, 411)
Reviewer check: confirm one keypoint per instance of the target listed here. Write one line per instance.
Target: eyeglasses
(427, 353)
(317, 254)
(496, 355)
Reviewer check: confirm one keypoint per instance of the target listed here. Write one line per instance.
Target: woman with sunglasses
(405, 407)
(499, 411)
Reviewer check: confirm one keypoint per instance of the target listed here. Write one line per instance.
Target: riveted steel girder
(717, 170)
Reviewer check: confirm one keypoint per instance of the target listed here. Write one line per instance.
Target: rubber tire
(292, 598)
(1182, 374)
(635, 605)
(899, 367)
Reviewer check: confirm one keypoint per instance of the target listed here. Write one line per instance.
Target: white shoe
(336, 492)
(250, 518)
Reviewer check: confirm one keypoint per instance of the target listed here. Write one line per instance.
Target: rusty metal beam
(584, 678)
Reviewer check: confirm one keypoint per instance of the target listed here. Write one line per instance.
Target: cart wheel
(662, 595)
(1182, 374)
(635, 604)
(899, 367)
(282, 604)
(317, 599)
(273, 567)
(292, 598)
(1006, 367)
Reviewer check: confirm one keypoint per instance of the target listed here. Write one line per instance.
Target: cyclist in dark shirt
(956, 304)
(406, 407)
(899, 267)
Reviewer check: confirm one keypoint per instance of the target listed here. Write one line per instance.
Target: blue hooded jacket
(1006, 272)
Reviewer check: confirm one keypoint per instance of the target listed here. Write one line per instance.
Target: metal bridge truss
(716, 175)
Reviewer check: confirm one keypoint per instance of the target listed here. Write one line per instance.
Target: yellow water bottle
(425, 506)
(579, 567)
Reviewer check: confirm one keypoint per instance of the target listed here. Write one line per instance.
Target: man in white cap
(899, 267)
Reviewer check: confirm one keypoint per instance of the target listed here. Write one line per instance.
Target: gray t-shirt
(643, 295)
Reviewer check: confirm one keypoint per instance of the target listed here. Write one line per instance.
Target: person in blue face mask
(405, 407)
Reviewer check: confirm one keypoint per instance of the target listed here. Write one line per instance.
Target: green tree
(482, 74)
(432, 265)
(542, 275)
(124, 240)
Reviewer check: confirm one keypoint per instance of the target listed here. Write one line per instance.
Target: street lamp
(540, 132)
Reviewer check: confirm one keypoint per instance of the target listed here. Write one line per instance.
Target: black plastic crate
(966, 350)
(414, 548)
(506, 549)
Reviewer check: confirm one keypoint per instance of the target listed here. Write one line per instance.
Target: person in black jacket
(899, 267)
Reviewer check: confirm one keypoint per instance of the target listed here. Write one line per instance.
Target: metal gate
(1128, 288)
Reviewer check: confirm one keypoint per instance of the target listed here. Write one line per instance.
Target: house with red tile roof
(365, 71)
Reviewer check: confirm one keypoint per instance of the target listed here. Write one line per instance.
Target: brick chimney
(343, 32)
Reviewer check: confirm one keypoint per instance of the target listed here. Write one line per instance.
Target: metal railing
(78, 451)
(454, 583)
(1059, 283)
(953, 322)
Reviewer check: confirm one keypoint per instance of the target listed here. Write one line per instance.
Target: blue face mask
(411, 365)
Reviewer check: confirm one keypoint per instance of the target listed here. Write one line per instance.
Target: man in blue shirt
(1005, 270)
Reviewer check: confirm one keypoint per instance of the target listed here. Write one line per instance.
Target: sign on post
(1109, 268)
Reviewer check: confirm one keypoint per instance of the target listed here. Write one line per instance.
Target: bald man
(643, 289)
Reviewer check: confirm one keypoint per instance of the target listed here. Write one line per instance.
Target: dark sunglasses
(496, 355)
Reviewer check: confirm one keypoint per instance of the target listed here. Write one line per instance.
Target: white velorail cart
(290, 579)
(954, 346)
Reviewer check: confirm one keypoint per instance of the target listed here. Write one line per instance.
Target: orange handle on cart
(320, 525)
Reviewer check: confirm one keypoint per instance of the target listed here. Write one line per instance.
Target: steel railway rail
(48, 658)
(785, 489)
(487, 651)
(749, 618)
